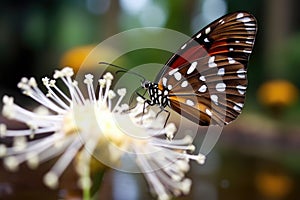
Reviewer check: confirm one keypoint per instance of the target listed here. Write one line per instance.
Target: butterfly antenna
(123, 70)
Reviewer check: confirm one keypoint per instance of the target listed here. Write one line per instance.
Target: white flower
(90, 125)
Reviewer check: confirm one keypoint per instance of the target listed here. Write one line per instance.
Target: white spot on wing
(183, 46)
(206, 40)
(184, 84)
(214, 98)
(251, 29)
(241, 73)
(202, 78)
(207, 30)
(231, 60)
(220, 87)
(177, 76)
(170, 87)
(208, 112)
(245, 19)
(240, 15)
(202, 88)
(238, 107)
(211, 62)
(173, 71)
(199, 35)
(190, 102)
(221, 72)
(247, 51)
(241, 89)
(192, 68)
(164, 81)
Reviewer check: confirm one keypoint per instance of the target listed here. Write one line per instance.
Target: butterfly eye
(145, 84)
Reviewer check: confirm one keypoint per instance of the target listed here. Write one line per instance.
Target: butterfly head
(146, 84)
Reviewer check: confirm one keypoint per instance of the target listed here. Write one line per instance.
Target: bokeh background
(257, 157)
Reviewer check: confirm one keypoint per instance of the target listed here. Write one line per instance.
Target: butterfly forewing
(207, 76)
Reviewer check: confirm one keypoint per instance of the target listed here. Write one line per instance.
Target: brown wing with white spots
(207, 77)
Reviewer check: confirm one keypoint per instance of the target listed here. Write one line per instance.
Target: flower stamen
(80, 127)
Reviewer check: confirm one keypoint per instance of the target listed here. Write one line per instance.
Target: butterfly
(206, 79)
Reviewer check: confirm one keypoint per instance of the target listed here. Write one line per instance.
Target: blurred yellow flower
(76, 56)
(277, 94)
(273, 185)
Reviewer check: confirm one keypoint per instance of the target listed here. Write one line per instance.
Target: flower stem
(97, 181)
(86, 193)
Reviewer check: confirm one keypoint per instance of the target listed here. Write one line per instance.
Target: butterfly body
(206, 79)
(158, 96)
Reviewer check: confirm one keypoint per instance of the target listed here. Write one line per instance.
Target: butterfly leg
(168, 113)
(147, 101)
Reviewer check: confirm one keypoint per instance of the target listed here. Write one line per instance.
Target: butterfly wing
(207, 76)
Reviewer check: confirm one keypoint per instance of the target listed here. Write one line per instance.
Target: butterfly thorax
(157, 96)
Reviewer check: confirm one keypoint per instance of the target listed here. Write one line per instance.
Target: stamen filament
(67, 157)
